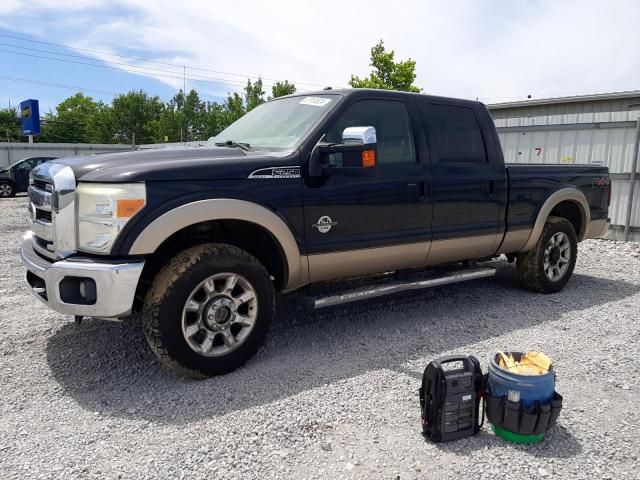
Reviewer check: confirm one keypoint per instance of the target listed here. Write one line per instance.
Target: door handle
(419, 188)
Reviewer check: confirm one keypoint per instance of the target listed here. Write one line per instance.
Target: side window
(456, 134)
(26, 166)
(393, 129)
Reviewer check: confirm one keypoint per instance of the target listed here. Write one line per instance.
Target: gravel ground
(331, 395)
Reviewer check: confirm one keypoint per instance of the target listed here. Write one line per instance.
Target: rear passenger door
(469, 181)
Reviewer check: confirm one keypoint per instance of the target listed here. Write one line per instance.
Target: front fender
(199, 211)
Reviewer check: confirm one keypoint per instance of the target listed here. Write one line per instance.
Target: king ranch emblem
(324, 224)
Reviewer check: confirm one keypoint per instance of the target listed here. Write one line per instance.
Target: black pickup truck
(302, 190)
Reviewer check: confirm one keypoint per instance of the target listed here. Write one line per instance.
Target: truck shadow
(107, 367)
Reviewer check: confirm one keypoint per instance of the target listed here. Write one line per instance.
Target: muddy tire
(549, 265)
(208, 310)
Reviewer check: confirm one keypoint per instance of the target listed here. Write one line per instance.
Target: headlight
(103, 211)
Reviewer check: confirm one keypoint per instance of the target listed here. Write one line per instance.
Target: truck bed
(530, 184)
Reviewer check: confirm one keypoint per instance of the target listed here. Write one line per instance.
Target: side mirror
(358, 152)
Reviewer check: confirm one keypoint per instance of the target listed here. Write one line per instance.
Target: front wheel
(548, 266)
(208, 310)
(6, 190)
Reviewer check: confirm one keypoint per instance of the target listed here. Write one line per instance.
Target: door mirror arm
(359, 149)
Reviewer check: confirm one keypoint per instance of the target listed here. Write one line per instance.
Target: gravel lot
(331, 395)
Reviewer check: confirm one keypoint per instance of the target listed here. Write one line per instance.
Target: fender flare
(224, 209)
(564, 194)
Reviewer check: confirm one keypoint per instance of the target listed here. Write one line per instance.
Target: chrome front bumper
(115, 283)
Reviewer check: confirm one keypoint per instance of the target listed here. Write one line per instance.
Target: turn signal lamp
(368, 158)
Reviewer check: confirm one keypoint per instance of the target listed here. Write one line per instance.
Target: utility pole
(8, 149)
(632, 181)
(184, 94)
(133, 141)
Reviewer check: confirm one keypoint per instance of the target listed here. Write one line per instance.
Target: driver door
(22, 174)
(361, 224)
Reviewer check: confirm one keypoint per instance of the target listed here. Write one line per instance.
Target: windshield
(277, 125)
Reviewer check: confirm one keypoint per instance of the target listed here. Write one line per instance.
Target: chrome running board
(395, 287)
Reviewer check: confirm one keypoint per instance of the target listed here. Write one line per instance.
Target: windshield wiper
(231, 143)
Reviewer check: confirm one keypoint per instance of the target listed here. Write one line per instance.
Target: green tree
(232, 109)
(387, 74)
(253, 94)
(183, 118)
(135, 113)
(280, 89)
(102, 126)
(10, 125)
(71, 122)
(214, 120)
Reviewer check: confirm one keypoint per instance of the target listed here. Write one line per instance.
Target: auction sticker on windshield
(315, 101)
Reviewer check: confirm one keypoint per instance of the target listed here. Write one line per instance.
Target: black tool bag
(450, 398)
(516, 418)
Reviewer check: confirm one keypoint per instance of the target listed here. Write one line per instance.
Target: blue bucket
(531, 389)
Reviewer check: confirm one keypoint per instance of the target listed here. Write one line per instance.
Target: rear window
(455, 133)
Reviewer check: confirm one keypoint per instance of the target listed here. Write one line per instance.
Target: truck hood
(171, 164)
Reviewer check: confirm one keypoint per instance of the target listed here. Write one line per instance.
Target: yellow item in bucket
(531, 363)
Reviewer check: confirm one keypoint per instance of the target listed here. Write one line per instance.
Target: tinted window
(26, 165)
(456, 134)
(392, 124)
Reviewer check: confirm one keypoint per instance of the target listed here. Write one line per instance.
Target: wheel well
(571, 211)
(248, 236)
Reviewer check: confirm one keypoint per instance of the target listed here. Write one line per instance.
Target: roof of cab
(368, 92)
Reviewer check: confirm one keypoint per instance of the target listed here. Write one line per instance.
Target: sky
(493, 50)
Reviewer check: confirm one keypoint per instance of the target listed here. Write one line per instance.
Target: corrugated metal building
(593, 129)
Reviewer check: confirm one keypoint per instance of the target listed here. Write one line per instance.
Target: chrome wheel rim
(219, 314)
(557, 256)
(5, 190)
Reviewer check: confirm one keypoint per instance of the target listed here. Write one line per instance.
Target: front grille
(52, 210)
(41, 218)
(44, 216)
(42, 185)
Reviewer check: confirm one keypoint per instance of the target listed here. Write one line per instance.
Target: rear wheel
(208, 310)
(549, 265)
(6, 189)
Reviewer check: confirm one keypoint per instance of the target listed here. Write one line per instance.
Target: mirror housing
(358, 148)
(359, 135)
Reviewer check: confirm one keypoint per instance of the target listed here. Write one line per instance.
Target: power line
(154, 61)
(84, 57)
(59, 85)
(122, 69)
(224, 82)
(182, 75)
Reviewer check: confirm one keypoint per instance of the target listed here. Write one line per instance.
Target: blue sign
(30, 117)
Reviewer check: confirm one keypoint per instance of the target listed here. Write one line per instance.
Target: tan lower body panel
(456, 249)
(353, 263)
(597, 228)
(515, 240)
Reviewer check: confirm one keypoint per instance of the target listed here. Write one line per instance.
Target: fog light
(78, 290)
